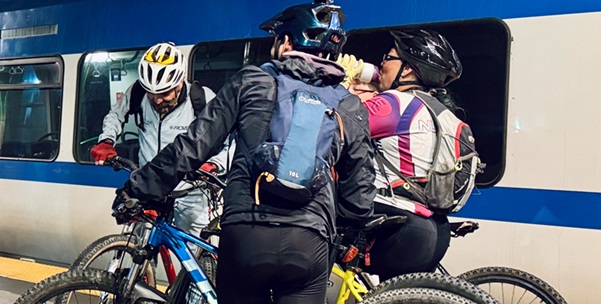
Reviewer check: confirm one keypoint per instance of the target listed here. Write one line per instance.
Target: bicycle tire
(515, 277)
(113, 242)
(416, 296)
(209, 264)
(70, 281)
(435, 281)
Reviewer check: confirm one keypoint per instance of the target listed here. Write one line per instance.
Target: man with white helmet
(166, 111)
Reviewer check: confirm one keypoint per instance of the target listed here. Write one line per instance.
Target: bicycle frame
(174, 239)
(350, 285)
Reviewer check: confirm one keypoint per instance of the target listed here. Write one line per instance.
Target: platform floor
(17, 275)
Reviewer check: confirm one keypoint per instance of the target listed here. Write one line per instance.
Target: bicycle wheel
(107, 252)
(435, 281)
(85, 286)
(416, 296)
(209, 264)
(511, 285)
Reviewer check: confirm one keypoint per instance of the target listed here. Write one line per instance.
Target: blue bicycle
(129, 284)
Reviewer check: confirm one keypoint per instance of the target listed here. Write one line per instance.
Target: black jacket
(244, 105)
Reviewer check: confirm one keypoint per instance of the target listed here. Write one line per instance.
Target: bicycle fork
(131, 288)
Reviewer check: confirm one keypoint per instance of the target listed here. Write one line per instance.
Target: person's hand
(125, 208)
(210, 167)
(101, 151)
(352, 68)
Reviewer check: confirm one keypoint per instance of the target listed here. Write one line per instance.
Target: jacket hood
(310, 69)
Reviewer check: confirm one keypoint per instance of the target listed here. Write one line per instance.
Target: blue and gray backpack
(295, 161)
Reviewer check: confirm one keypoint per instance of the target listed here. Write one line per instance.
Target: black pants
(257, 262)
(415, 246)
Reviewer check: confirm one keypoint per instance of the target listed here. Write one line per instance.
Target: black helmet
(430, 54)
(312, 27)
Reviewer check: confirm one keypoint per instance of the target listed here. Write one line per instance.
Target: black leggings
(257, 262)
(415, 246)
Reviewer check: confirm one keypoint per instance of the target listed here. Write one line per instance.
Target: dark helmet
(430, 54)
(312, 27)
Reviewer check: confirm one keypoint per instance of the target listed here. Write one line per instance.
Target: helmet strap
(397, 81)
(276, 47)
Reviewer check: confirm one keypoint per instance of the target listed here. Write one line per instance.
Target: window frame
(500, 27)
(60, 84)
(78, 91)
(246, 52)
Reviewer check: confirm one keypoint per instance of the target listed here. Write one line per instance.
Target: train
(528, 91)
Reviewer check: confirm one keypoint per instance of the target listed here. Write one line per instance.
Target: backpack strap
(410, 186)
(135, 105)
(198, 97)
(425, 100)
(270, 68)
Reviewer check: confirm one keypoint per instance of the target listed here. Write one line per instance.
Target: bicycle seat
(377, 221)
(462, 228)
(388, 221)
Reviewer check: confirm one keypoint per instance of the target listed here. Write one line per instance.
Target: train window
(31, 91)
(215, 62)
(483, 47)
(104, 77)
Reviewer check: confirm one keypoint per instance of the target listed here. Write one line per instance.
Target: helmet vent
(160, 75)
(149, 71)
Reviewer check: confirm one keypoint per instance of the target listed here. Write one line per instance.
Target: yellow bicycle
(349, 284)
(350, 250)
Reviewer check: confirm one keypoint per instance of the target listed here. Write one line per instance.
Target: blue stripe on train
(62, 173)
(531, 206)
(109, 24)
(536, 206)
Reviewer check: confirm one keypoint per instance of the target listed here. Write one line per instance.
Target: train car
(528, 91)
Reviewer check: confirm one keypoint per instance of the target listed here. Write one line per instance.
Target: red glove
(209, 167)
(102, 151)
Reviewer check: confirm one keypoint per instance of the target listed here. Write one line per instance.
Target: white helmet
(162, 68)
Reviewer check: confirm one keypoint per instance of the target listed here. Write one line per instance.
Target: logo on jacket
(179, 128)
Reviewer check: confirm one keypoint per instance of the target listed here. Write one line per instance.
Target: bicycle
(351, 249)
(109, 251)
(524, 287)
(128, 285)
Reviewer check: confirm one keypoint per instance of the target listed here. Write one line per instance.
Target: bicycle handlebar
(195, 180)
(121, 163)
(206, 176)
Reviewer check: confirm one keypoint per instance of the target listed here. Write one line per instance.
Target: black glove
(125, 208)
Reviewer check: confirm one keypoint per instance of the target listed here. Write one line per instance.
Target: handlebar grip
(127, 162)
(119, 162)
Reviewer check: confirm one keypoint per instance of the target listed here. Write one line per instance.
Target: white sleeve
(112, 125)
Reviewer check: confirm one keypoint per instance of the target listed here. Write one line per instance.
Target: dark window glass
(104, 77)
(483, 48)
(30, 108)
(213, 63)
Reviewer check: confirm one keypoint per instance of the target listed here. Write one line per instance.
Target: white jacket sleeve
(112, 125)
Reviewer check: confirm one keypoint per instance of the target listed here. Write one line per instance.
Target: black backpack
(197, 96)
